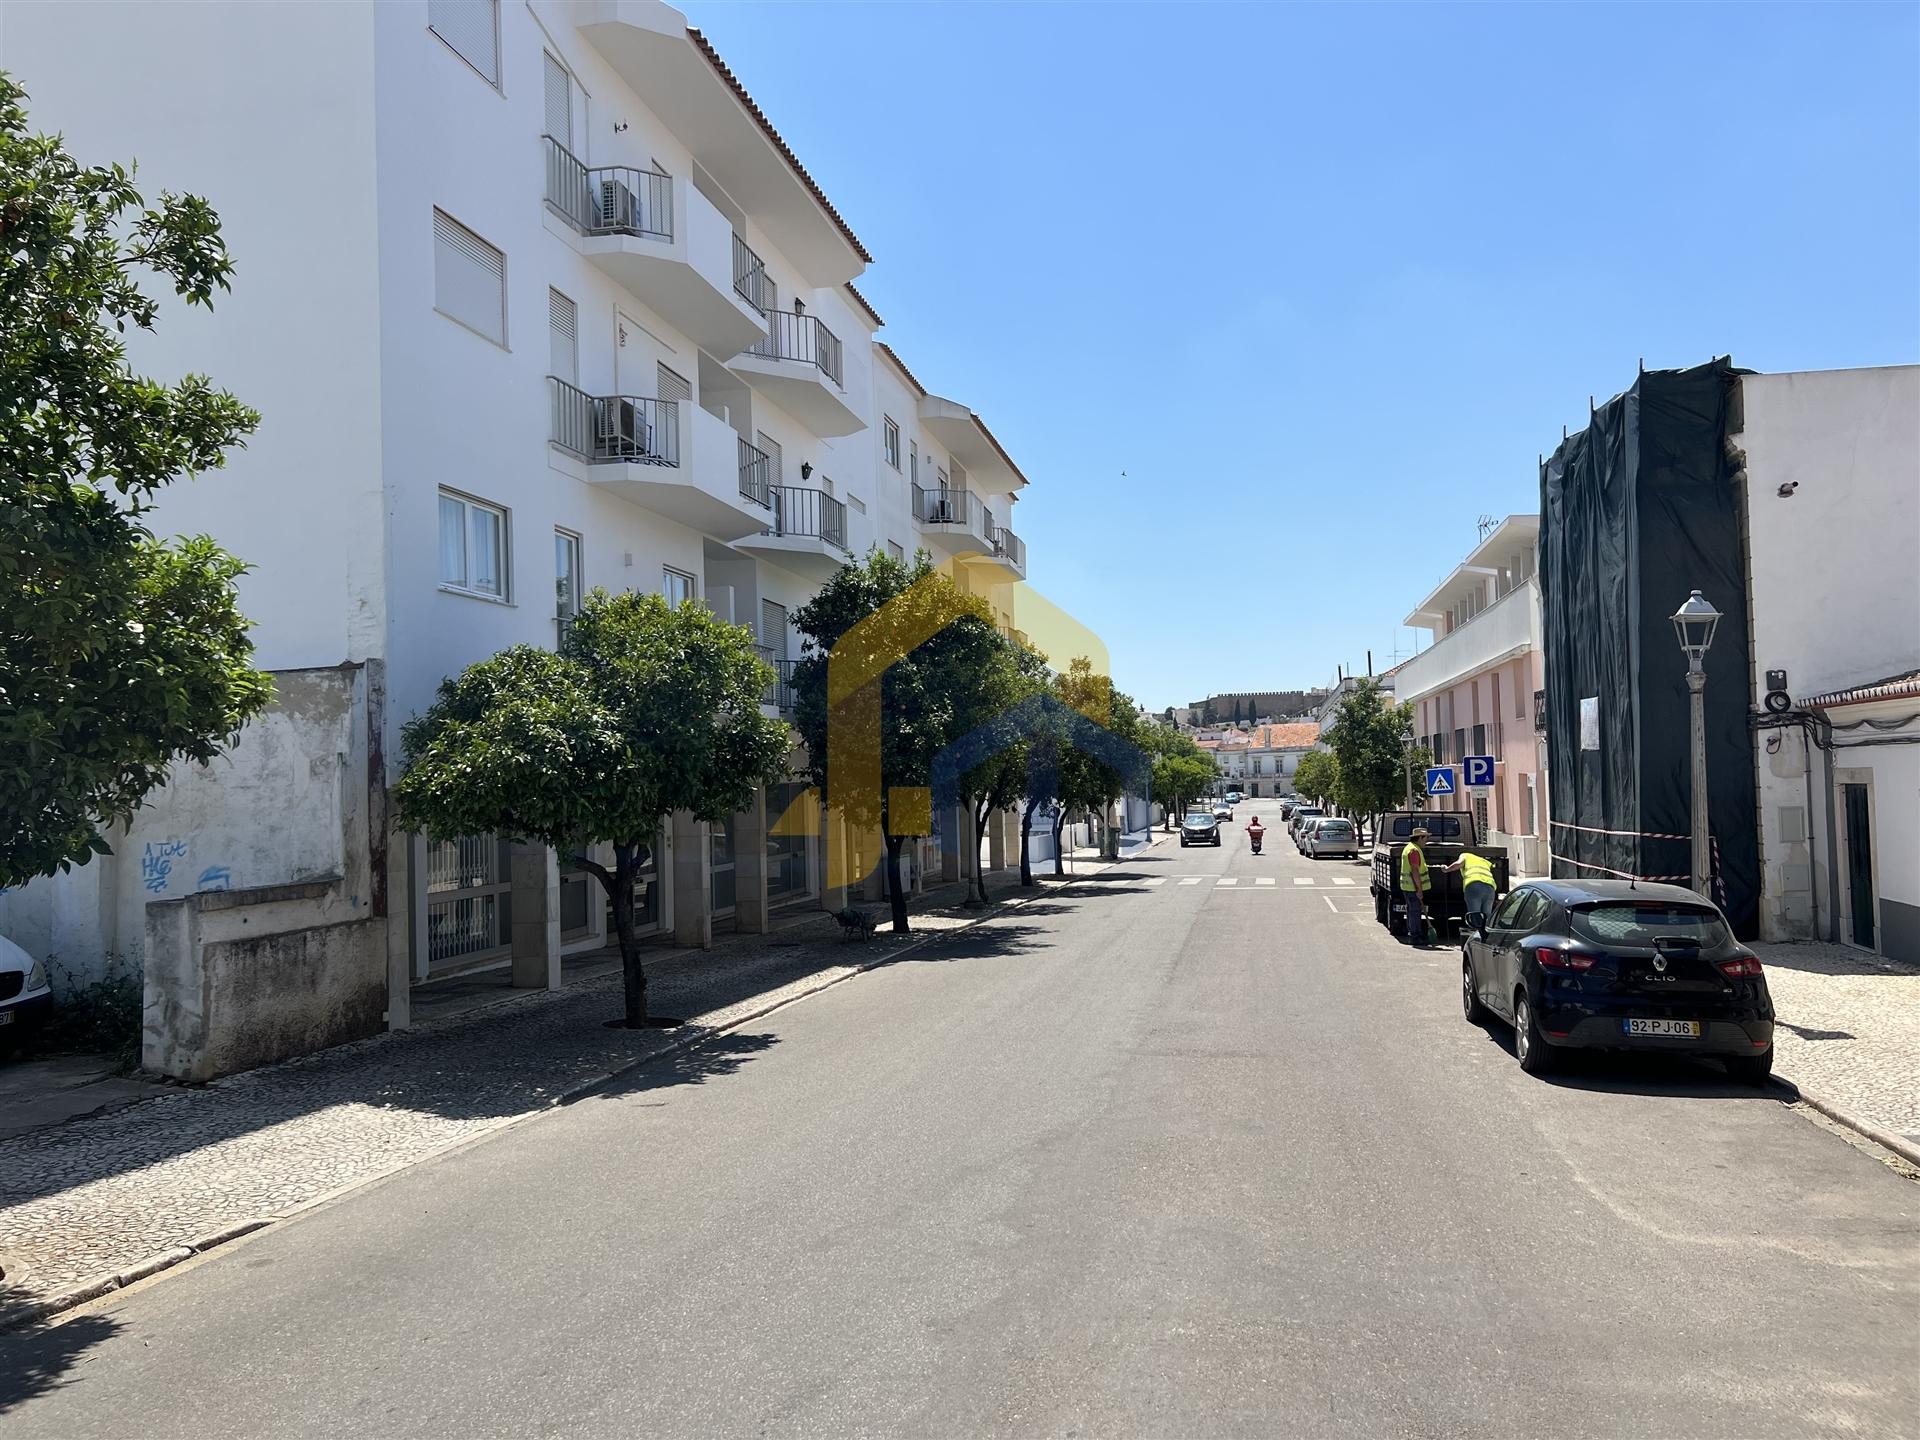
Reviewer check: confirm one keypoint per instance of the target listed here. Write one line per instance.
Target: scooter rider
(1254, 831)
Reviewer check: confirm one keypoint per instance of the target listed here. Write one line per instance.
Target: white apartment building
(532, 297)
(1259, 760)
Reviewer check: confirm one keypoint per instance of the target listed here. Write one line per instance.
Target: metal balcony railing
(756, 475)
(959, 508)
(798, 511)
(778, 695)
(802, 338)
(1012, 546)
(606, 428)
(609, 199)
(750, 280)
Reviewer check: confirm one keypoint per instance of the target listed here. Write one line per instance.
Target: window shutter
(471, 28)
(775, 461)
(562, 327)
(669, 386)
(773, 628)
(559, 102)
(469, 278)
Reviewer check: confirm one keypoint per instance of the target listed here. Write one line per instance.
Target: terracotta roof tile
(861, 301)
(1894, 687)
(893, 356)
(705, 47)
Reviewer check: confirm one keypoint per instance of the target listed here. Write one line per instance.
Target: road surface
(1173, 1151)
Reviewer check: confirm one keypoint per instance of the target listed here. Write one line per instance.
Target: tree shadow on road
(35, 1361)
(720, 1054)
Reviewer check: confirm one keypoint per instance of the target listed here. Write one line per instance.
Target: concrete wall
(1835, 603)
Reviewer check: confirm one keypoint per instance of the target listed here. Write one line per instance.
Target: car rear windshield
(1334, 827)
(1439, 827)
(1641, 922)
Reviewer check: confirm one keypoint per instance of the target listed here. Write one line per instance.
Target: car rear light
(1563, 959)
(1740, 967)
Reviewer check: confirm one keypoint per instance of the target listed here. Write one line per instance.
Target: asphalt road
(1133, 1159)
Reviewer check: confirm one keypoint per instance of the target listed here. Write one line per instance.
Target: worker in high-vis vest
(1478, 887)
(1413, 883)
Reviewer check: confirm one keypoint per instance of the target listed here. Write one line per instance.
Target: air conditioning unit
(619, 209)
(624, 431)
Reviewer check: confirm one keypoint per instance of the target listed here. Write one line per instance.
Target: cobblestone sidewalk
(1847, 1029)
(99, 1195)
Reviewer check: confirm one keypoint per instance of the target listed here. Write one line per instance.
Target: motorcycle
(1256, 836)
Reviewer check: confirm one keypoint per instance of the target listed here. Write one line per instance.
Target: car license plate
(1688, 1028)
(6, 1017)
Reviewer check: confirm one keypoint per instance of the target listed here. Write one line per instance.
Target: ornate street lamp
(1695, 622)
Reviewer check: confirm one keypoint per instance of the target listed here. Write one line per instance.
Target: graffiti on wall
(156, 863)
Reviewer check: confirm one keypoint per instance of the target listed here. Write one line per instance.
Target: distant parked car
(1331, 835)
(1302, 814)
(25, 996)
(1223, 812)
(1199, 828)
(1234, 797)
(1618, 965)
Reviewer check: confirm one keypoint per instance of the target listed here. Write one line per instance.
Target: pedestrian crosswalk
(1236, 882)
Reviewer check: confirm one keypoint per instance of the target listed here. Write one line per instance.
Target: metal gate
(469, 900)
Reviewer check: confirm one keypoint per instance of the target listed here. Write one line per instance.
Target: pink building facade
(1473, 689)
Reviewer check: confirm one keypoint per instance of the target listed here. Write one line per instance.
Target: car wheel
(1536, 1055)
(1382, 910)
(1470, 997)
(1751, 1069)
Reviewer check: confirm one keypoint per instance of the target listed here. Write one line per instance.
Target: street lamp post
(1694, 622)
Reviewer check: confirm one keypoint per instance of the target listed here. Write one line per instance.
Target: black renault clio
(1616, 965)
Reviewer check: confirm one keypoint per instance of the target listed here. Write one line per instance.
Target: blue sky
(1326, 280)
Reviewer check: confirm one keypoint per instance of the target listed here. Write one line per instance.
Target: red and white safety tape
(1719, 881)
(1623, 874)
(1643, 834)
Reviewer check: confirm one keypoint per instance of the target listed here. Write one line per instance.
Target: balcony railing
(937, 506)
(802, 338)
(605, 428)
(1012, 546)
(809, 512)
(756, 475)
(750, 280)
(778, 695)
(609, 199)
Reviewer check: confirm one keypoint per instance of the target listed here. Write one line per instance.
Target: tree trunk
(895, 894)
(633, 975)
(982, 813)
(1026, 844)
(1059, 865)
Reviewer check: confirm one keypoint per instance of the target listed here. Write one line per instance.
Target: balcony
(673, 459)
(799, 365)
(807, 534)
(662, 240)
(1508, 627)
(778, 696)
(954, 521)
(1006, 552)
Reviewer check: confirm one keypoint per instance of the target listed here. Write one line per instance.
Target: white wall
(282, 145)
(1835, 603)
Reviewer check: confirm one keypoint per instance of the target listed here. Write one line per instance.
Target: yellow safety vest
(1475, 869)
(1406, 865)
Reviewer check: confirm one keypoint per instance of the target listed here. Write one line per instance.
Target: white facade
(1832, 502)
(434, 210)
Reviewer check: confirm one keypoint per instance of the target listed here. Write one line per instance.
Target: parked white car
(1331, 835)
(25, 996)
(1302, 814)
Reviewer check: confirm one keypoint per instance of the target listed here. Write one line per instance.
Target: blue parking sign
(1440, 780)
(1479, 770)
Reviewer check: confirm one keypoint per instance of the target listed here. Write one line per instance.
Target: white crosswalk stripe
(1191, 880)
(1156, 880)
(1303, 879)
(1266, 880)
(1228, 880)
(1343, 880)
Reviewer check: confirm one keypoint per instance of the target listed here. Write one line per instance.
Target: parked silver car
(25, 996)
(1331, 835)
(1302, 814)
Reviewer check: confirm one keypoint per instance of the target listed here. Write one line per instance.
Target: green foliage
(1089, 781)
(119, 654)
(1182, 771)
(646, 709)
(1318, 777)
(1369, 737)
(97, 1017)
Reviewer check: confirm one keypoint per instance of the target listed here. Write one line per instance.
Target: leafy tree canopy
(1318, 776)
(120, 654)
(1369, 737)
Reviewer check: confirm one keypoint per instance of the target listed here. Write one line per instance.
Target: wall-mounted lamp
(806, 469)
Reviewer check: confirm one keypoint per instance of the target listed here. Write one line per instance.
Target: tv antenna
(1487, 525)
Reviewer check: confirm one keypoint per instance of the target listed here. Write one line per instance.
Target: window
(469, 279)
(1509, 910)
(773, 628)
(559, 102)
(776, 462)
(471, 29)
(890, 441)
(473, 546)
(913, 461)
(566, 579)
(670, 385)
(896, 551)
(563, 337)
(678, 586)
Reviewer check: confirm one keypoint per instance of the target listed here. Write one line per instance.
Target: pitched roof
(705, 47)
(861, 301)
(1294, 735)
(900, 364)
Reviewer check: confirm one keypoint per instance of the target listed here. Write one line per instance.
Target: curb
(16, 1317)
(1906, 1149)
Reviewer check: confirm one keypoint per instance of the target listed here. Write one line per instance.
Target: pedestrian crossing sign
(1440, 780)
